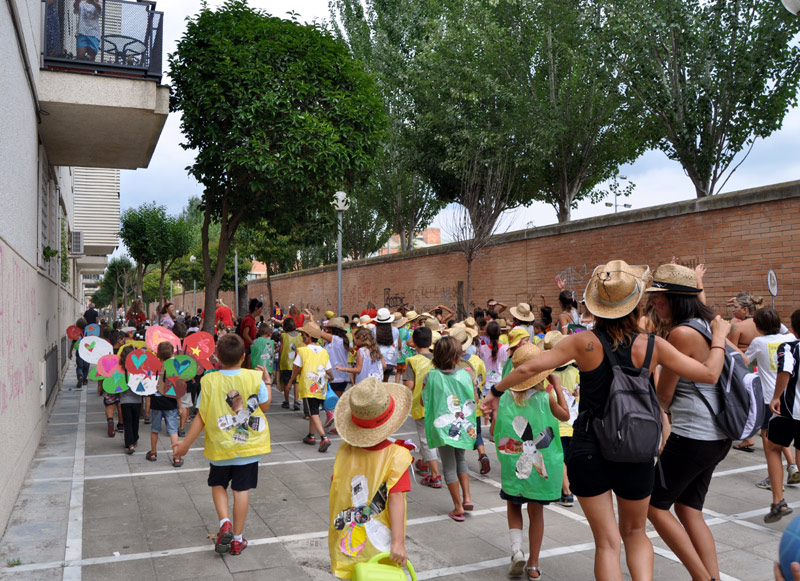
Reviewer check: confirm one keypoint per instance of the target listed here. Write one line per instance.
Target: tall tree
(280, 115)
(169, 242)
(120, 276)
(138, 225)
(715, 74)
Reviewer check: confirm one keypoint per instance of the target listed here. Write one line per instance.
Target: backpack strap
(694, 324)
(651, 340)
(612, 359)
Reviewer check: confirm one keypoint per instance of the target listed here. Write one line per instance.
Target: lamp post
(792, 6)
(615, 205)
(236, 283)
(341, 204)
(193, 259)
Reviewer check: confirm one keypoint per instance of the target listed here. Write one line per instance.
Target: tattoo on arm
(590, 346)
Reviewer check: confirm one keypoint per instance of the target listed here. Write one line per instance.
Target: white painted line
(74, 542)
(740, 470)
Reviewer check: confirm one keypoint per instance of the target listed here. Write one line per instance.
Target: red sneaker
(224, 538)
(238, 546)
(422, 468)
(310, 440)
(324, 444)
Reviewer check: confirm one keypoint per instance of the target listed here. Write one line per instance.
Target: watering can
(381, 568)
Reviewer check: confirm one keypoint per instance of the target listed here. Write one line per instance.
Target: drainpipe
(12, 8)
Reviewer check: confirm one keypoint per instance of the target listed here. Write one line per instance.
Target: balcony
(99, 88)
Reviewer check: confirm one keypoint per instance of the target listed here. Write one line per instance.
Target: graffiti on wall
(575, 279)
(17, 314)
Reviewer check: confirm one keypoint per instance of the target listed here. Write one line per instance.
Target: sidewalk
(89, 511)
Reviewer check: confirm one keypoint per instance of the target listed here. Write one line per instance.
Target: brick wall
(739, 236)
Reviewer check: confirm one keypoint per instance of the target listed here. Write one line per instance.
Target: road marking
(74, 543)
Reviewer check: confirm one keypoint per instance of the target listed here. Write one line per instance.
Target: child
(784, 426)
(531, 459)
(111, 401)
(81, 366)
(369, 361)
(312, 366)
(164, 407)
(370, 477)
(290, 341)
(131, 405)
(450, 422)
(231, 410)
(185, 401)
(338, 348)
(516, 338)
(262, 350)
(417, 368)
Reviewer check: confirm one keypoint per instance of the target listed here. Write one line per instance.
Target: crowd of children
(516, 381)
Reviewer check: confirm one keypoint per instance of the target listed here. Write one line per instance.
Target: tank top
(369, 368)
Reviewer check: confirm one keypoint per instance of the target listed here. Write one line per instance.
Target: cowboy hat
(433, 324)
(551, 339)
(364, 320)
(384, 316)
(336, 323)
(526, 353)
(399, 320)
(462, 335)
(675, 279)
(411, 315)
(472, 331)
(522, 312)
(311, 329)
(615, 288)
(371, 411)
(516, 335)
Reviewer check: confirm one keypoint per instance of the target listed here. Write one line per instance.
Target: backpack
(742, 411)
(630, 429)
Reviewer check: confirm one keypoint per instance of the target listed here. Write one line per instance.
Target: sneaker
(333, 431)
(517, 567)
(181, 433)
(421, 468)
(329, 421)
(432, 481)
(224, 538)
(765, 484)
(296, 406)
(238, 546)
(310, 440)
(566, 500)
(111, 431)
(285, 405)
(120, 428)
(147, 419)
(324, 444)
(792, 474)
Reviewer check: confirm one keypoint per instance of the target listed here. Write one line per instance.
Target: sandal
(528, 570)
(741, 448)
(432, 481)
(130, 450)
(151, 456)
(468, 506)
(176, 462)
(485, 466)
(456, 517)
(777, 511)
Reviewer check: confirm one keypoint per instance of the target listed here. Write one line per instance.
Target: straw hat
(551, 339)
(522, 312)
(464, 364)
(461, 335)
(675, 279)
(471, 325)
(516, 335)
(364, 320)
(311, 329)
(433, 324)
(473, 332)
(526, 353)
(384, 316)
(411, 315)
(435, 337)
(371, 411)
(615, 288)
(502, 323)
(336, 323)
(399, 320)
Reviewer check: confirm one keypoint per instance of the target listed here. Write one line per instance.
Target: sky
(657, 179)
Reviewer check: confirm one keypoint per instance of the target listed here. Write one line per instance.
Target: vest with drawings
(289, 345)
(421, 366)
(360, 526)
(312, 381)
(235, 425)
(570, 379)
(450, 407)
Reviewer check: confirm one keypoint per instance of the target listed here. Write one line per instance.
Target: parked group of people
(542, 385)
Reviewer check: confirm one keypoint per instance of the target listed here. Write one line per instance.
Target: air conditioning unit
(76, 243)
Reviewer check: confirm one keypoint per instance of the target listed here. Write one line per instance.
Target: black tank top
(595, 383)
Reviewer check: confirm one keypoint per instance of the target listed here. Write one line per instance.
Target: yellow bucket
(381, 568)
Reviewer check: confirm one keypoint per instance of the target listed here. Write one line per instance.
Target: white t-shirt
(338, 356)
(88, 20)
(390, 352)
(369, 368)
(763, 349)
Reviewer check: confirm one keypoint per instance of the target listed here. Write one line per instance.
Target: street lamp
(341, 204)
(792, 6)
(615, 205)
(193, 259)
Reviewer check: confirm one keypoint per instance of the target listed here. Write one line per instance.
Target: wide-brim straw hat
(412, 315)
(674, 279)
(516, 335)
(472, 325)
(502, 324)
(371, 411)
(465, 365)
(460, 334)
(435, 337)
(384, 316)
(551, 339)
(433, 324)
(615, 288)
(522, 312)
(311, 329)
(364, 321)
(336, 323)
(526, 353)
(399, 320)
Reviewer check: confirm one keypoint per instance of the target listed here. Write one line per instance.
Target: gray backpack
(630, 429)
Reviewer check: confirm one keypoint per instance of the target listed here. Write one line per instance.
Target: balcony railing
(106, 36)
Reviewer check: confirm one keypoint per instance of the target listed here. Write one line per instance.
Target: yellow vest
(360, 526)
(569, 380)
(479, 366)
(289, 346)
(312, 381)
(421, 366)
(235, 425)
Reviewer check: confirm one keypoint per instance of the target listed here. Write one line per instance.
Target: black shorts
(565, 440)
(688, 466)
(285, 377)
(782, 431)
(312, 405)
(338, 387)
(590, 474)
(240, 478)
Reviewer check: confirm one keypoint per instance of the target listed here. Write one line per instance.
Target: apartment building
(70, 119)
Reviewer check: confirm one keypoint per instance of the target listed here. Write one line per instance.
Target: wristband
(718, 347)
(495, 392)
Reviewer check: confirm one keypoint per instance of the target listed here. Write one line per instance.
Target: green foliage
(151, 285)
(364, 227)
(715, 75)
(103, 296)
(64, 252)
(120, 277)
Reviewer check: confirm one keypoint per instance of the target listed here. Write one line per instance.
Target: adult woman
(167, 316)
(135, 313)
(248, 327)
(695, 445)
(388, 338)
(744, 329)
(612, 295)
(569, 311)
(223, 314)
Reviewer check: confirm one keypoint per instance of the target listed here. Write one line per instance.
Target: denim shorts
(170, 416)
(90, 42)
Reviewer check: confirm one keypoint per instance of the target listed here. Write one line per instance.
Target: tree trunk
(139, 295)
(161, 285)
(564, 212)
(469, 283)
(269, 293)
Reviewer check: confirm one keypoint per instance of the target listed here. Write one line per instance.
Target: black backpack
(742, 411)
(630, 429)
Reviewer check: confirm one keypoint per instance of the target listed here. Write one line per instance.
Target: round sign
(772, 283)
(74, 332)
(142, 361)
(156, 335)
(91, 349)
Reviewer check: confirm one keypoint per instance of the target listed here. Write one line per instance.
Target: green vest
(449, 400)
(507, 366)
(262, 352)
(529, 448)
